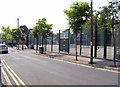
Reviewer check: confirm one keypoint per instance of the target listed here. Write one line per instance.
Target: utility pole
(91, 59)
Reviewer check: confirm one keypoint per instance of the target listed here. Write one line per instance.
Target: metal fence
(63, 41)
(118, 43)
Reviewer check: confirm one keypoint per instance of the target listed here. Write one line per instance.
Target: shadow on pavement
(52, 56)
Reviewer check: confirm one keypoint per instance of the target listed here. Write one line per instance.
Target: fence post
(40, 40)
(116, 42)
(30, 40)
(52, 42)
(95, 55)
(27, 39)
(34, 41)
(46, 44)
(105, 40)
(68, 40)
(59, 41)
(81, 41)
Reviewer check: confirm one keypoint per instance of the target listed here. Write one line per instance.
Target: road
(38, 70)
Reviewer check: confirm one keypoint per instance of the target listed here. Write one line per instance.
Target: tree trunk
(18, 44)
(12, 43)
(22, 46)
(76, 45)
(42, 41)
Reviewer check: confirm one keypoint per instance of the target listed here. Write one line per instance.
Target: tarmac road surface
(38, 70)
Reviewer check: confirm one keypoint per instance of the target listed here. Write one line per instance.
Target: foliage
(41, 29)
(44, 28)
(106, 17)
(14, 33)
(24, 29)
(17, 34)
(35, 32)
(78, 15)
(6, 34)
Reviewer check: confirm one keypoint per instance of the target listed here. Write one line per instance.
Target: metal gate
(64, 41)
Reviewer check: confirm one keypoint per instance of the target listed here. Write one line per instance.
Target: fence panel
(102, 41)
(49, 44)
(64, 41)
(110, 48)
(72, 43)
(56, 41)
(118, 44)
(86, 49)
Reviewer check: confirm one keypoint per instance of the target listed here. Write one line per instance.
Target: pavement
(98, 63)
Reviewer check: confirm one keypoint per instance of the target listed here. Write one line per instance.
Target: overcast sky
(29, 11)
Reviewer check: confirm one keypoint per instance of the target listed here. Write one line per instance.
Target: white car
(3, 49)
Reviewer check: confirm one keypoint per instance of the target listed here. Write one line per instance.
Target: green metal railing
(102, 38)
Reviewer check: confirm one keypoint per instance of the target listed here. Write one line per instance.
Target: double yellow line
(14, 76)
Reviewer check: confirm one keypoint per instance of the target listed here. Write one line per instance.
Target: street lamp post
(91, 59)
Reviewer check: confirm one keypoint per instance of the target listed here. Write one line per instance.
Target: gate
(64, 40)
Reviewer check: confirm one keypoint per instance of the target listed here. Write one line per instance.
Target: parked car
(3, 48)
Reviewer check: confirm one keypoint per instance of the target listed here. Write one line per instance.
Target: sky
(29, 11)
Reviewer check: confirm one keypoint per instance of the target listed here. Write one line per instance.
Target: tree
(17, 35)
(35, 33)
(14, 33)
(112, 24)
(108, 17)
(77, 16)
(24, 33)
(24, 29)
(44, 29)
(6, 34)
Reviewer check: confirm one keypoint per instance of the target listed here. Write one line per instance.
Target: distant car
(3, 48)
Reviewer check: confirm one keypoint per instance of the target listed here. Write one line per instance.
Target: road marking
(10, 73)
(6, 77)
(3, 61)
(15, 74)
